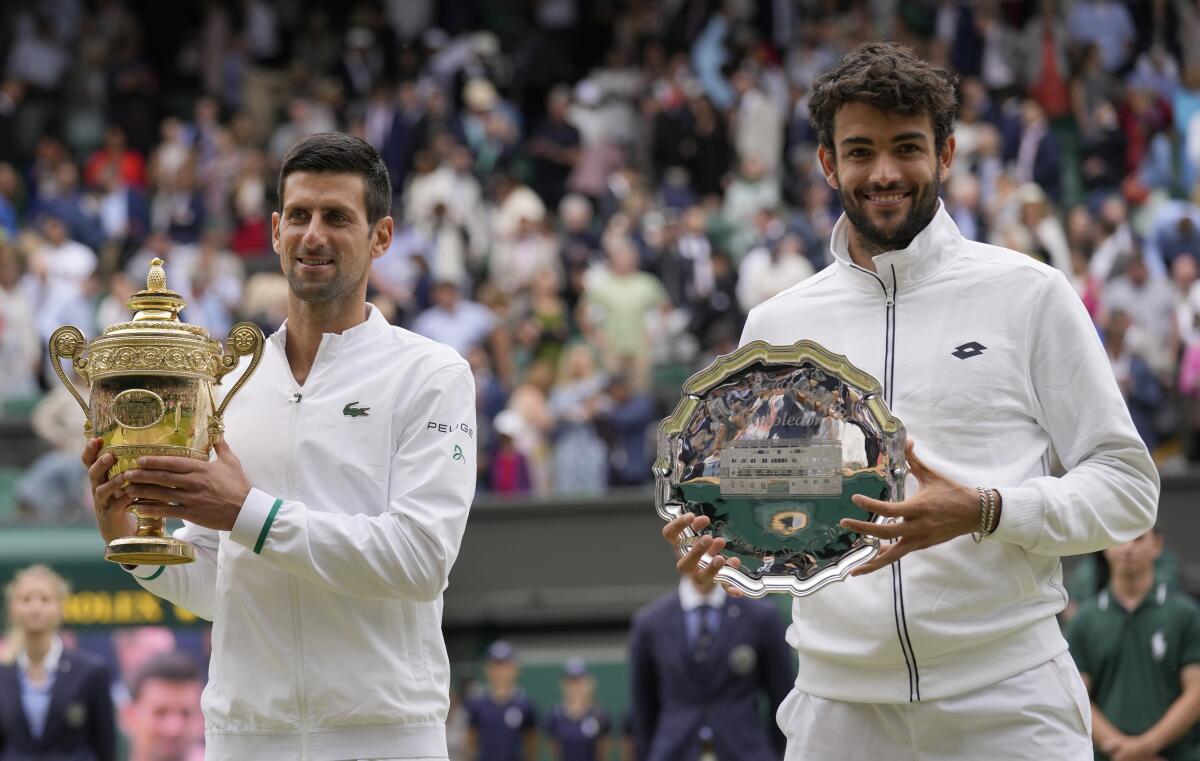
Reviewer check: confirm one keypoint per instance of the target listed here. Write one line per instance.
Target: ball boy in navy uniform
(503, 719)
(578, 729)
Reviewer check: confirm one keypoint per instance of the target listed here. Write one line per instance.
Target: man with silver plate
(943, 644)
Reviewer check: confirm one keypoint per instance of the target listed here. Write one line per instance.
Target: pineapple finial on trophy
(157, 302)
(156, 280)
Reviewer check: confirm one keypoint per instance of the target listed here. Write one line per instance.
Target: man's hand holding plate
(940, 510)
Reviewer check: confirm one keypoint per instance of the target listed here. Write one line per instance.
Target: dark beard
(875, 240)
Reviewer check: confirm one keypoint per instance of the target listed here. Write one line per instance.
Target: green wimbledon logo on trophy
(771, 442)
(151, 393)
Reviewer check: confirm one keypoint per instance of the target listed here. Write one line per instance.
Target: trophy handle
(67, 341)
(245, 338)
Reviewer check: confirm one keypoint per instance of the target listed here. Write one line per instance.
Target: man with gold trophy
(924, 618)
(321, 548)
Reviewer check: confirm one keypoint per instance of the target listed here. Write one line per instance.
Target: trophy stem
(149, 527)
(149, 545)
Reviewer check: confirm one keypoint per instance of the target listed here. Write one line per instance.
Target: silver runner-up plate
(771, 442)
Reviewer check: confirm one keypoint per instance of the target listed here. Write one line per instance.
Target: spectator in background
(453, 320)
(58, 281)
(1105, 24)
(758, 122)
(1142, 391)
(503, 719)
(162, 718)
(54, 702)
(508, 468)
(1045, 238)
(124, 215)
(178, 205)
(531, 424)
(10, 190)
(517, 260)
(1149, 302)
(53, 489)
(555, 148)
(116, 154)
(1044, 62)
(580, 455)
(768, 270)
(211, 283)
(753, 190)
(1137, 646)
(626, 414)
(1176, 230)
(20, 343)
(1038, 150)
(1102, 152)
(577, 728)
(616, 306)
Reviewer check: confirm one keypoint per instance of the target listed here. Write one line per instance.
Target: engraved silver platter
(771, 442)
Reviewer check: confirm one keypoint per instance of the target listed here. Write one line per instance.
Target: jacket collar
(933, 248)
(49, 663)
(332, 344)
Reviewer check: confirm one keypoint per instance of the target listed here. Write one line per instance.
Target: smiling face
(324, 241)
(888, 173)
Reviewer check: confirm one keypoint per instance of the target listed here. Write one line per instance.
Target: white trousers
(1043, 713)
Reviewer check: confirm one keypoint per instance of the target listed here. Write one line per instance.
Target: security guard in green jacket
(1137, 646)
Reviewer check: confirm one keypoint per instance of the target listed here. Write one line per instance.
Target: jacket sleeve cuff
(1021, 516)
(253, 523)
(144, 572)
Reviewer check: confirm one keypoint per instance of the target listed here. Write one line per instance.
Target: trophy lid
(157, 308)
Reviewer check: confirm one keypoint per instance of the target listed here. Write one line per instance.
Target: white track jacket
(326, 597)
(990, 360)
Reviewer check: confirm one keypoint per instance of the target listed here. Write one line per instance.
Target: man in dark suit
(701, 662)
(78, 721)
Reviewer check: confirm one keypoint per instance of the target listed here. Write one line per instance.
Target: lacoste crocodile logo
(351, 411)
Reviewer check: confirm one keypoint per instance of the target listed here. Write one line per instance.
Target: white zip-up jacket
(990, 360)
(326, 597)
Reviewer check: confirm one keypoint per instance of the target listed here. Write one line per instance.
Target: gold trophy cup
(151, 385)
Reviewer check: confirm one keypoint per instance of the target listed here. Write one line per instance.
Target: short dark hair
(339, 152)
(889, 77)
(173, 666)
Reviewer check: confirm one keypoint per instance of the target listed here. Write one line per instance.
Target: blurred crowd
(589, 197)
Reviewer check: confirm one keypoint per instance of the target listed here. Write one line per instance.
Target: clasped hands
(941, 510)
(207, 493)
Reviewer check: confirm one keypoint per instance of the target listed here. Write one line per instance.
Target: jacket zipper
(297, 630)
(889, 382)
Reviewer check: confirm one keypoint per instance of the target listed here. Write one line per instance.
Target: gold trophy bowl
(151, 393)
